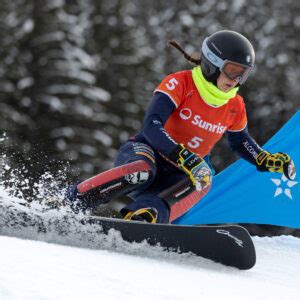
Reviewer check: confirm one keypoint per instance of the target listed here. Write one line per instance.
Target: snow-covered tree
(67, 103)
(77, 75)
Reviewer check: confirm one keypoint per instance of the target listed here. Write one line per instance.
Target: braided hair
(210, 72)
(189, 57)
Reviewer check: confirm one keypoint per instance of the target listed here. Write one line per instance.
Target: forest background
(76, 76)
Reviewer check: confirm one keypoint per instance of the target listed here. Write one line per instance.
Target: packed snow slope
(39, 270)
(33, 268)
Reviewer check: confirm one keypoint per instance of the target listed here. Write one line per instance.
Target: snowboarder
(165, 168)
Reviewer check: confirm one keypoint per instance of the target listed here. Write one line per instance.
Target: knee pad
(113, 183)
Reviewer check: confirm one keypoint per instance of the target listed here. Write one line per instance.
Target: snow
(97, 94)
(102, 137)
(36, 269)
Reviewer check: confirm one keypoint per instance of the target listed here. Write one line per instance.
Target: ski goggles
(230, 68)
(235, 71)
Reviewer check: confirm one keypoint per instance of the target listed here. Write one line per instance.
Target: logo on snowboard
(236, 240)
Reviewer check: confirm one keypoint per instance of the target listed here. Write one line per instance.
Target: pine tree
(66, 99)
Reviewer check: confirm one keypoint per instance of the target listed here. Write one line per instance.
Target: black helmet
(229, 52)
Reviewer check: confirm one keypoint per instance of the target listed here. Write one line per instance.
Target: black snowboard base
(230, 245)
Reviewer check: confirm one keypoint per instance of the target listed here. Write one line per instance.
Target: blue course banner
(241, 194)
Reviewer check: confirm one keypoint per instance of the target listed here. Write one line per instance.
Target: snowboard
(230, 245)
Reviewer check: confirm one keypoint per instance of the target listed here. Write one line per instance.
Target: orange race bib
(194, 123)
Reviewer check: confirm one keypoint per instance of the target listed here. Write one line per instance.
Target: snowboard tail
(230, 245)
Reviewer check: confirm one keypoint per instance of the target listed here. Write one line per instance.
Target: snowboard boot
(148, 214)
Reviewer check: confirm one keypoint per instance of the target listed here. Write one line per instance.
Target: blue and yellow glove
(193, 165)
(277, 162)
